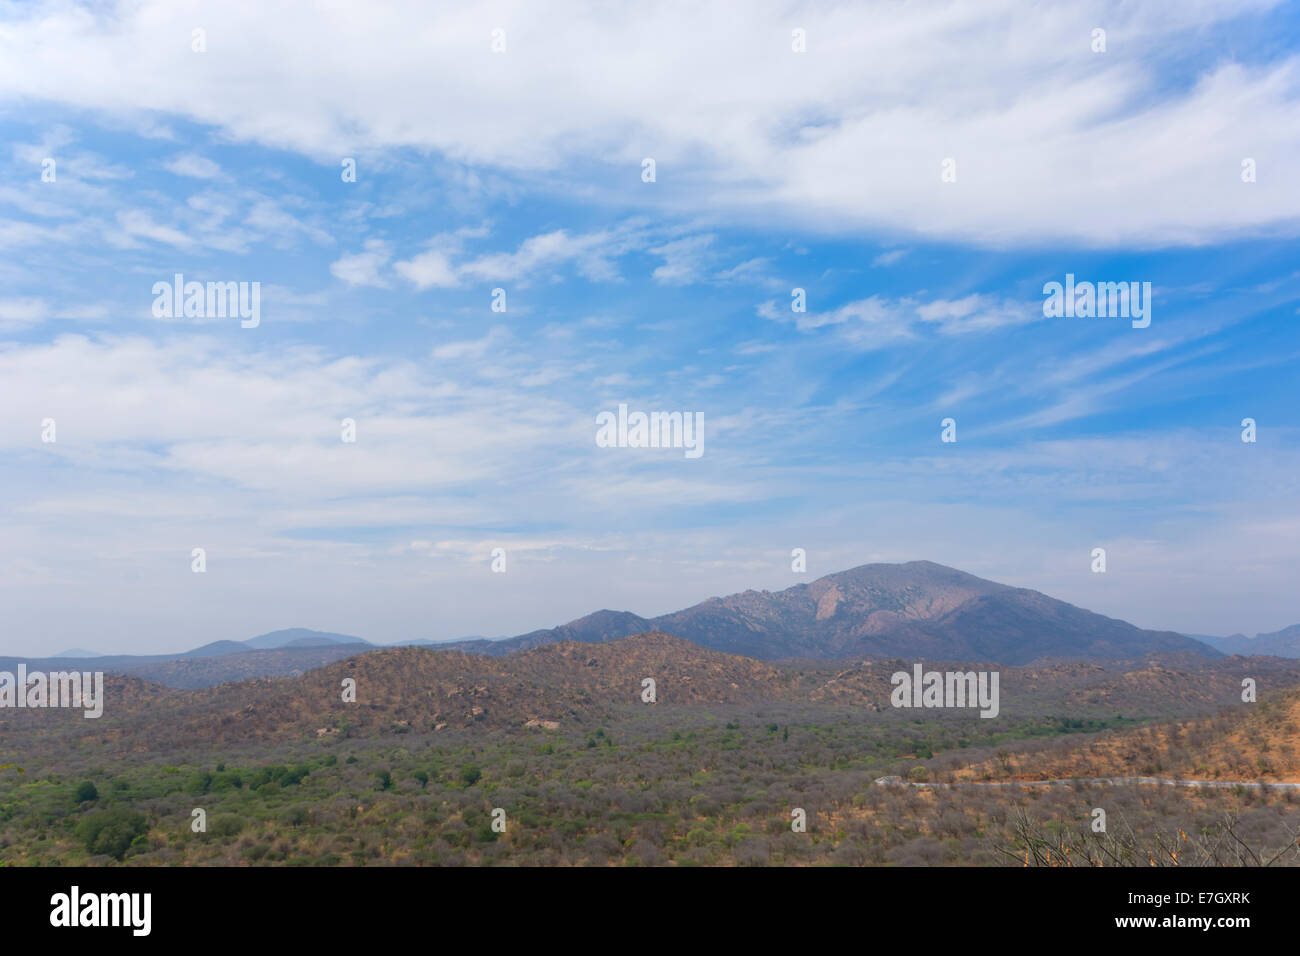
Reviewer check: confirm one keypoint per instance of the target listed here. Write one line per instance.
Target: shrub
(226, 781)
(297, 817)
(86, 793)
(226, 826)
(111, 832)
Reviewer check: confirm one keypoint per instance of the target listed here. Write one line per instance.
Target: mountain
(920, 609)
(291, 638)
(917, 611)
(300, 637)
(592, 629)
(78, 652)
(1283, 643)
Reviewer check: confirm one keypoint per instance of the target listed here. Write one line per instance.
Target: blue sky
(522, 170)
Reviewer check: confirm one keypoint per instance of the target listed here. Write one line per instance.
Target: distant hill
(218, 648)
(285, 653)
(415, 688)
(571, 685)
(460, 642)
(192, 669)
(78, 652)
(919, 609)
(300, 637)
(1283, 643)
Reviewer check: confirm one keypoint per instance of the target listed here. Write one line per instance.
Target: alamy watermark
(1102, 300)
(946, 689)
(75, 908)
(56, 689)
(651, 430)
(212, 300)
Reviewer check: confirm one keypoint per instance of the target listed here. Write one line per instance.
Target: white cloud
(591, 253)
(977, 313)
(428, 269)
(472, 348)
(878, 320)
(71, 165)
(867, 324)
(363, 268)
(271, 218)
(751, 270)
(138, 224)
(16, 233)
(194, 166)
(1050, 139)
(16, 313)
(684, 259)
(19, 312)
(888, 258)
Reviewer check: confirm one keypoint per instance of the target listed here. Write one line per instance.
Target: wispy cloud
(193, 166)
(363, 268)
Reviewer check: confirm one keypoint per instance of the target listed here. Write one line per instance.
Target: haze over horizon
(475, 429)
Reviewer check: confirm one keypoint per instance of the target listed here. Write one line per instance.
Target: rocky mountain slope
(919, 609)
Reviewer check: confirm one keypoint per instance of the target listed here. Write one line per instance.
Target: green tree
(87, 792)
(111, 832)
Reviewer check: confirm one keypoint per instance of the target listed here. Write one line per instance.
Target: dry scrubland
(587, 775)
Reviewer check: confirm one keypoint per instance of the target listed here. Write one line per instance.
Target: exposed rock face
(919, 609)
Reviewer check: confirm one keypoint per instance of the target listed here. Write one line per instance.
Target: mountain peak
(918, 609)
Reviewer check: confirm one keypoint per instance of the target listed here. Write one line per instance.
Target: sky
(919, 171)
